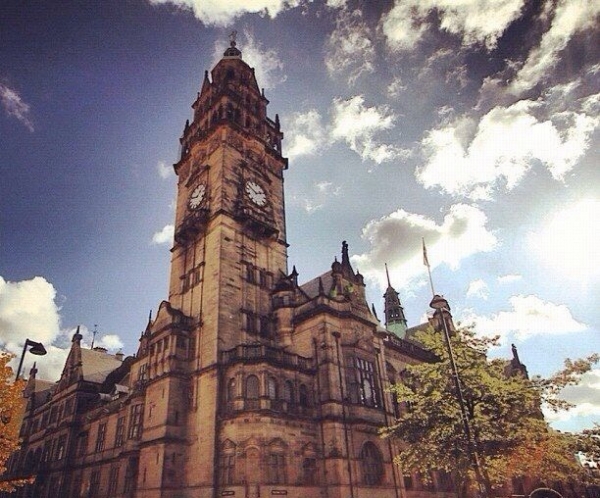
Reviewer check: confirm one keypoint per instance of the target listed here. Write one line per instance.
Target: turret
(395, 321)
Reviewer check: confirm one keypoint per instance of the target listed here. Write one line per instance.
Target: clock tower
(230, 241)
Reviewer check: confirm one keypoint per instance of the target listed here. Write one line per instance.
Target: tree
(11, 402)
(509, 437)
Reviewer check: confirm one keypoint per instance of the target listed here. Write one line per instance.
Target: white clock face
(197, 196)
(256, 193)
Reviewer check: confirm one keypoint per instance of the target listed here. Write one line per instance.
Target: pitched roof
(96, 365)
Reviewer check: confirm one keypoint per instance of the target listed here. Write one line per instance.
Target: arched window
(272, 388)
(372, 464)
(252, 387)
(231, 390)
(276, 465)
(309, 471)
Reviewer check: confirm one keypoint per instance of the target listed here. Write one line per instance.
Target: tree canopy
(509, 436)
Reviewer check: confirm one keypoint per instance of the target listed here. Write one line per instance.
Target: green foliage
(510, 436)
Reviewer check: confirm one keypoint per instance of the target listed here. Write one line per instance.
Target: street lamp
(441, 306)
(37, 348)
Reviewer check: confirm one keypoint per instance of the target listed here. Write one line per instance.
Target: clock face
(197, 196)
(256, 193)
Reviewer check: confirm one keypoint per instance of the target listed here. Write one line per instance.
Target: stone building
(246, 382)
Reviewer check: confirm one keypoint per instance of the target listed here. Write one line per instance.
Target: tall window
(95, 484)
(288, 392)
(227, 469)
(135, 421)
(372, 464)
(276, 468)
(231, 389)
(361, 382)
(120, 432)
(113, 480)
(252, 387)
(61, 447)
(272, 388)
(82, 443)
(309, 471)
(100, 437)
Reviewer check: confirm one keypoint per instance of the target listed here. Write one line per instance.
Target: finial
(150, 316)
(321, 288)
(77, 336)
(232, 37)
(94, 335)
(387, 273)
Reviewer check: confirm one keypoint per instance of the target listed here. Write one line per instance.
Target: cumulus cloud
(164, 171)
(464, 155)
(316, 198)
(357, 125)
(478, 288)
(567, 240)
(473, 21)
(28, 310)
(223, 12)
(307, 134)
(352, 122)
(529, 316)
(585, 396)
(109, 341)
(507, 279)
(396, 240)
(165, 236)
(349, 49)
(14, 106)
(570, 17)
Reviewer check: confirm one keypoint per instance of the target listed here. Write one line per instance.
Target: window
(309, 471)
(101, 436)
(120, 432)
(227, 469)
(303, 394)
(250, 274)
(361, 382)
(82, 444)
(408, 481)
(371, 464)
(94, 484)
(251, 393)
(61, 447)
(288, 392)
(135, 421)
(113, 481)
(250, 322)
(276, 468)
(272, 388)
(143, 373)
(129, 484)
(231, 390)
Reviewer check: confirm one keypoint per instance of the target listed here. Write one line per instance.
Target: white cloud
(307, 134)
(568, 240)
(396, 240)
(352, 122)
(28, 310)
(164, 171)
(165, 236)
(474, 21)
(478, 288)
(317, 197)
(349, 49)
(109, 341)
(357, 125)
(530, 316)
(585, 396)
(570, 18)
(507, 279)
(15, 106)
(224, 12)
(464, 155)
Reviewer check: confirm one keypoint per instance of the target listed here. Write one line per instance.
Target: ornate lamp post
(37, 348)
(440, 305)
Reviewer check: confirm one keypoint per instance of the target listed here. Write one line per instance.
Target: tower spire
(395, 321)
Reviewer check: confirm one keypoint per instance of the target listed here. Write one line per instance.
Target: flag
(425, 260)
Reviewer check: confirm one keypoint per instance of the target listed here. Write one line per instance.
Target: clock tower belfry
(230, 241)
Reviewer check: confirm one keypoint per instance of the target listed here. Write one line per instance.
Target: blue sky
(473, 127)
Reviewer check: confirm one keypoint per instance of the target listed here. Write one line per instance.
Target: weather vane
(232, 37)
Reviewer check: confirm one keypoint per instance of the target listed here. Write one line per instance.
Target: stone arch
(371, 463)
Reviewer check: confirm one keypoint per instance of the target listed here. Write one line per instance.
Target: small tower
(395, 321)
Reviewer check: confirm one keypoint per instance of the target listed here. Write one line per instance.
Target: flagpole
(426, 263)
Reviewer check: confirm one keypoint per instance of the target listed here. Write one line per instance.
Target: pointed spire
(395, 321)
(321, 288)
(374, 311)
(77, 336)
(205, 84)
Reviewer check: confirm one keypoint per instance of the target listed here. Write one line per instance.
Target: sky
(473, 125)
